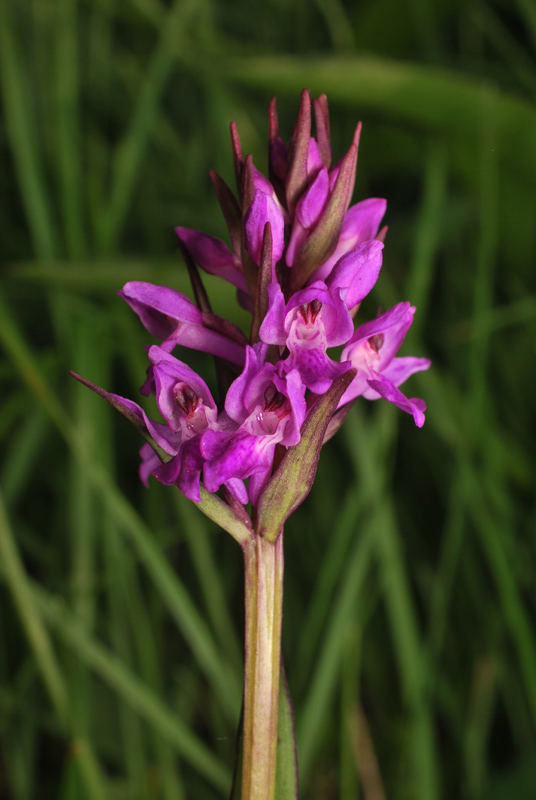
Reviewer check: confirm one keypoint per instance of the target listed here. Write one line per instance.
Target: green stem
(263, 562)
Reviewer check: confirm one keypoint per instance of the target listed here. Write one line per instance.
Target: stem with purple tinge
(263, 562)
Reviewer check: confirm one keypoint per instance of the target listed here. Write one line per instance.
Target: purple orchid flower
(269, 408)
(170, 316)
(313, 320)
(303, 277)
(263, 209)
(317, 318)
(185, 402)
(372, 349)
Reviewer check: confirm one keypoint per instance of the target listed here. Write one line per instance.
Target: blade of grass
(134, 749)
(529, 13)
(327, 666)
(179, 603)
(432, 98)
(139, 696)
(132, 627)
(431, 215)
(409, 653)
(349, 765)
(22, 456)
(129, 155)
(69, 150)
(213, 588)
(484, 691)
(486, 259)
(20, 130)
(364, 443)
(38, 639)
(491, 535)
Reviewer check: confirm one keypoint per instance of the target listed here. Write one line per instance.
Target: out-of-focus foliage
(409, 625)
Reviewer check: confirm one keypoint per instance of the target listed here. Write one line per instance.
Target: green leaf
(292, 481)
(286, 778)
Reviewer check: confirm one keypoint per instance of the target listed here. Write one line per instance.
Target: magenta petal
(159, 307)
(400, 369)
(362, 220)
(238, 490)
(243, 456)
(360, 224)
(165, 438)
(169, 315)
(272, 330)
(197, 337)
(210, 253)
(312, 203)
(298, 237)
(262, 210)
(317, 370)
(358, 386)
(235, 399)
(294, 388)
(393, 324)
(168, 473)
(213, 256)
(314, 159)
(357, 272)
(168, 371)
(262, 183)
(184, 470)
(257, 483)
(334, 317)
(388, 391)
(149, 462)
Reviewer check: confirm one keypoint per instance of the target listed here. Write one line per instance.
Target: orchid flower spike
(302, 259)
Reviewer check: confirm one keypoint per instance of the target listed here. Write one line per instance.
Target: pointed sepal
(320, 106)
(265, 277)
(323, 240)
(299, 153)
(129, 410)
(230, 209)
(238, 158)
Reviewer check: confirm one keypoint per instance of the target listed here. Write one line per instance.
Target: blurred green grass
(409, 628)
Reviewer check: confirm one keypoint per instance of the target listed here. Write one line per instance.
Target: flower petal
(361, 223)
(388, 391)
(357, 272)
(213, 256)
(170, 316)
(262, 210)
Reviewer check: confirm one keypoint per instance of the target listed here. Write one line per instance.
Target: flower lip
(186, 398)
(310, 311)
(376, 341)
(273, 399)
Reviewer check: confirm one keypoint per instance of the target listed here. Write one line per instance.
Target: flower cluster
(302, 260)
